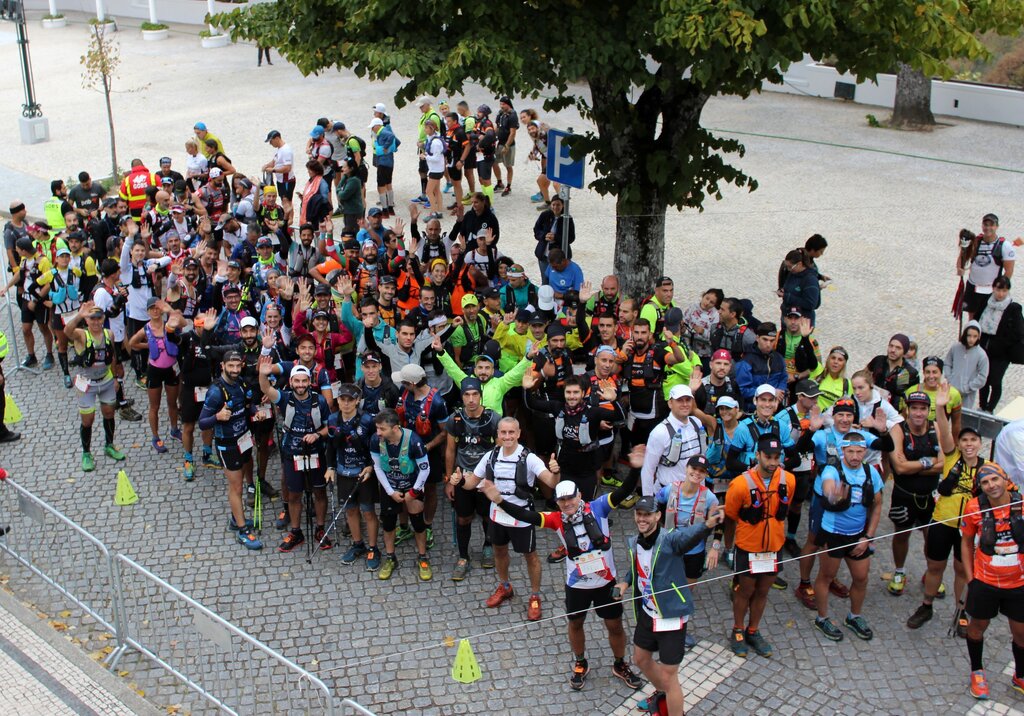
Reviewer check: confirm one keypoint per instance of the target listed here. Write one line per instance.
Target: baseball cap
(201, 126)
(370, 357)
(63, 251)
(807, 388)
(516, 271)
(376, 122)
(967, 429)
(349, 390)
(679, 392)
(488, 292)
(321, 289)
(565, 488)
(698, 462)
(990, 217)
(766, 329)
(470, 384)
(167, 181)
(470, 299)
(919, 397)
(423, 100)
(721, 354)
(165, 160)
(248, 322)
(673, 319)
(299, 370)
(177, 209)
(523, 315)
(151, 301)
(337, 125)
(726, 401)
(272, 134)
(410, 373)
(546, 298)
(375, 211)
(769, 444)
(264, 241)
(764, 389)
(794, 311)
(234, 264)
(43, 226)
(324, 315)
(191, 262)
(232, 355)
(379, 107)
(663, 281)
(96, 312)
(216, 172)
(388, 280)
(537, 318)
(317, 131)
(647, 503)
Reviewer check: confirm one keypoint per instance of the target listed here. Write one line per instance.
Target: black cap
(388, 279)
(232, 355)
(234, 264)
(662, 280)
(647, 503)
(967, 429)
(990, 217)
(766, 329)
(322, 314)
(191, 262)
(370, 357)
(673, 319)
(524, 315)
(794, 311)
(272, 134)
(537, 317)
(807, 388)
(321, 289)
(489, 292)
(698, 462)
(349, 390)
(337, 125)
(350, 245)
(769, 444)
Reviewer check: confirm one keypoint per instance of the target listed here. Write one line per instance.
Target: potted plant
(152, 31)
(108, 24)
(210, 39)
(54, 20)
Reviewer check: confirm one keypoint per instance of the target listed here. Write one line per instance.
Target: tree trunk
(913, 106)
(640, 245)
(110, 126)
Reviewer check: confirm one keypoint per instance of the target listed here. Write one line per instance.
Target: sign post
(563, 169)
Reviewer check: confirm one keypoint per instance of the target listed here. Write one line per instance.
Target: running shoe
(791, 547)
(48, 361)
(558, 555)
(403, 534)
(780, 582)
(248, 539)
(806, 595)
(388, 568)
(628, 676)
(897, 584)
(758, 643)
(112, 452)
(533, 612)
(838, 589)
(281, 523)
(430, 538)
(9, 436)
(292, 539)
(211, 459)
(88, 463)
(461, 570)
(372, 559)
(129, 414)
(232, 527)
(67, 381)
(609, 479)
(537, 198)
(421, 199)
(189, 471)
(426, 573)
(499, 186)
(738, 643)
(467, 201)
(267, 490)
(487, 557)
(501, 594)
(30, 361)
(321, 538)
(919, 617)
(447, 188)
(357, 550)
(859, 626)
(176, 434)
(646, 704)
(1017, 684)
(578, 678)
(158, 444)
(140, 382)
(826, 627)
(507, 190)
(979, 685)
(689, 641)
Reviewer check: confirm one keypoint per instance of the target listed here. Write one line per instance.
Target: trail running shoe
(372, 559)
(838, 589)
(558, 555)
(426, 573)
(281, 523)
(176, 434)
(267, 490)
(689, 641)
(48, 361)
(321, 539)
(129, 414)
(461, 570)
(919, 617)
(211, 459)
(758, 643)
(292, 539)
(1017, 684)
(791, 547)
(447, 188)
(507, 190)
(501, 594)
(430, 538)
(499, 186)
(112, 452)
(830, 630)
(247, 538)
(30, 361)
(537, 198)
(859, 626)
(67, 381)
(357, 550)
(897, 584)
(780, 582)
(645, 704)
(232, 527)
(979, 685)
(487, 557)
(88, 463)
(961, 624)
(533, 608)
(388, 568)
(189, 471)
(806, 595)
(403, 534)
(738, 643)
(158, 444)
(578, 678)
(609, 479)
(628, 676)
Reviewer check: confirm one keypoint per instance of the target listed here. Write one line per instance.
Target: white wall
(186, 12)
(954, 99)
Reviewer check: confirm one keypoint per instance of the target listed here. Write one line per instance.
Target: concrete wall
(954, 99)
(185, 12)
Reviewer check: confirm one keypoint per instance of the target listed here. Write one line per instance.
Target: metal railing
(60, 552)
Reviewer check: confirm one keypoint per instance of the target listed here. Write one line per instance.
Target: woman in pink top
(157, 336)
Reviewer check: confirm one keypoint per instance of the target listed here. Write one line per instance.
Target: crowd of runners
(397, 363)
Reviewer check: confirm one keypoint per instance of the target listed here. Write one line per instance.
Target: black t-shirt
(12, 233)
(82, 198)
(506, 122)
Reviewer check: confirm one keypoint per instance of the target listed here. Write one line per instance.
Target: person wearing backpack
(427, 113)
(983, 260)
(801, 289)
(354, 152)
(680, 436)
(1002, 337)
(434, 148)
(385, 143)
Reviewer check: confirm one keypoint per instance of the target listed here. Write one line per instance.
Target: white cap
(379, 107)
(299, 370)
(680, 391)
(764, 389)
(566, 488)
(215, 172)
(423, 100)
(727, 401)
(546, 298)
(410, 373)
(376, 122)
(247, 322)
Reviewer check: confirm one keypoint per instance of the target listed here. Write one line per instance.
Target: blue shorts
(296, 479)
(814, 517)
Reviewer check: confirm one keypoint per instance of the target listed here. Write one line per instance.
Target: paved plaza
(891, 217)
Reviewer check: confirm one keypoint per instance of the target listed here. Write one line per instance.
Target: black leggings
(992, 391)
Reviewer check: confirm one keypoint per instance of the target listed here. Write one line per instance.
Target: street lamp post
(34, 126)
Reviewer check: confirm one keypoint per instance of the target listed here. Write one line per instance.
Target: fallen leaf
(141, 693)
(107, 650)
(70, 481)
(187, 556)
(97, 655)
(173, 709)
(122, 674)
(315, 662)
(449, 641)
(42, 615)
(104, 637)
(58, 626)
(790, 624)
(65, 614)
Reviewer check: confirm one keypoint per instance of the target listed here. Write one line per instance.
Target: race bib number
(201, 394)
(245, 442)
(590, 563)
(335, 388)
(263, 412)
(856, 495)
(667, 624)
(500, 517)
(480, 157)
(763, 562)
(83, 384)
(306, 462)
(1005, 560)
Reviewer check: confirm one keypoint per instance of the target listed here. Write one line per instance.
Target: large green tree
(640, 71)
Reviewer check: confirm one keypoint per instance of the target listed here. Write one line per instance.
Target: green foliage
(48, 16)
(872, 121)
(153, 26)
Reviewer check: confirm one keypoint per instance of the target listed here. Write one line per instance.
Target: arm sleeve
(381, 477)
(683, 539)
(625, 490)
(651, 458)
(521, 513)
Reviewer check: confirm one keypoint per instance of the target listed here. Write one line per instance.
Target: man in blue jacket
(661, 599)
(762, 365)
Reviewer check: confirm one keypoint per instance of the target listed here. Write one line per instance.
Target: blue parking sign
(562, 168)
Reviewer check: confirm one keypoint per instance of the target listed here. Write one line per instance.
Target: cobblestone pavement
(891, 221)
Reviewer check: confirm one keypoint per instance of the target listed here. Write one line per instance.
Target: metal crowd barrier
(64, 555)
(211, 656)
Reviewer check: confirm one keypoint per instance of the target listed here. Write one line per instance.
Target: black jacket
(1008, 342)
(545, 223)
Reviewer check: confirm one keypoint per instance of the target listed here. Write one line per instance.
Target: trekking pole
(308, 495)
(257, 503)
(337, 516)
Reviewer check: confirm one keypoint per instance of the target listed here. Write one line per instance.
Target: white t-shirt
(102, 298)
(434, 149)
(196, 165)
(505, 479)
(984, 269)
(284, 156)
(654, 475)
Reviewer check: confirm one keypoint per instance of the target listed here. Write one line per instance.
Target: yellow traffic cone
(12, 414)
(125, 494)
(465, 670)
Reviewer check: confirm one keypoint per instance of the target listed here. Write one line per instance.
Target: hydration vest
(867, 492)
(289, 412)
(773, 429)
(916, 447)
(951, 481)
(647, 377)
(673, 453)
(473, 441)
(154, 348)
(832, 456)
(599, 541)
(987, 535)
(422, 422)
(586, 442)
(524, 490)
(406, 465)
(63, 291)
(87, 358)
(700, 504)
(757, 510)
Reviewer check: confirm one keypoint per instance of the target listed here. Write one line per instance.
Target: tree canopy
(640, 71)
